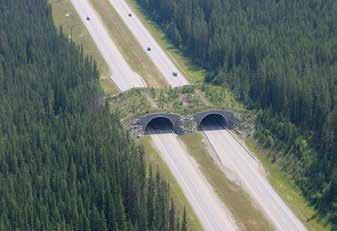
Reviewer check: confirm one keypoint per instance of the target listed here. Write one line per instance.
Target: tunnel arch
(173, 121)
(215, 119)
(222, 117)
(160, 123)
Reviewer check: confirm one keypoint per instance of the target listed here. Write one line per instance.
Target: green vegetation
(185, 100)
(181, 100)
(130, 103)
(220, 96)
(277, 57)
(233, 196)
(133, 53)
(153, 158)
(65, 16)
(65, 162)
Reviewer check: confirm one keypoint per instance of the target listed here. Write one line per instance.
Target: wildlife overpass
(180, 124)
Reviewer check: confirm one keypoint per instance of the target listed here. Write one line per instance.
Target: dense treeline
(279, 56)
(65, 162)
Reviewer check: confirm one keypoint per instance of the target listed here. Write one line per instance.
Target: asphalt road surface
(121, 73)
(156, 54)
(211, 212)
(235, 157)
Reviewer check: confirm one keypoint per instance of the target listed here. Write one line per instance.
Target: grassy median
(129, 47)
(193, 73)
(246, 214)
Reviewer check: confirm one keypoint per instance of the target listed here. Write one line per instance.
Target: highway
(121, 73)
(145, 39)
(210, 210)
(235, 157)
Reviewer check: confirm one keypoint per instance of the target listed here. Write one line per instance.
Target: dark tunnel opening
(159, 125)
(213, 122)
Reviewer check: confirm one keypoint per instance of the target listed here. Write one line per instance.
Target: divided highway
(121, 73)
(170, 72)
(210, 210)
(235, 157)
(213, 215)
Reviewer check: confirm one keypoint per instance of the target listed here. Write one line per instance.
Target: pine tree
(172, 218)
(184, 222)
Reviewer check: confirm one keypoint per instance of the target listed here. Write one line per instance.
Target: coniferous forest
(65, 161)
(279, 57)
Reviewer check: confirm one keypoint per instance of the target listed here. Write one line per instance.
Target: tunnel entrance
(213, 122)
(159, 125)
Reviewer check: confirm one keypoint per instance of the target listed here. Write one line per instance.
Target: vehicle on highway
(149, 49)
(88, 19)
(175, 74)
(130, 15)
